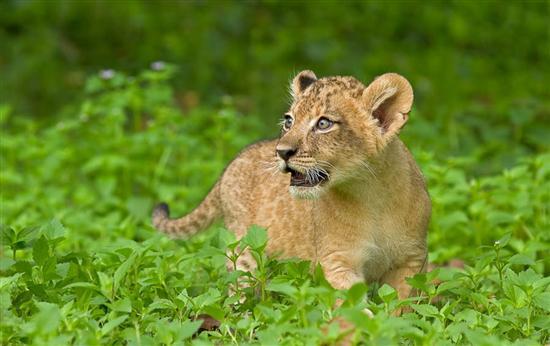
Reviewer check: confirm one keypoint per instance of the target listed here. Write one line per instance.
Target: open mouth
(314, 178)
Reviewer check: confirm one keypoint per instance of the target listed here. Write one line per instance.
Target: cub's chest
(370, 248)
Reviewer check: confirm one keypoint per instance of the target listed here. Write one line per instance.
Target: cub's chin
(303, 192)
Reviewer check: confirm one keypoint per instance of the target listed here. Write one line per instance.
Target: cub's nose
(285, 153)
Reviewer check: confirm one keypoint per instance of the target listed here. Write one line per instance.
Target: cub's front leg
(397, 278)
(339, 271)
(342, 272)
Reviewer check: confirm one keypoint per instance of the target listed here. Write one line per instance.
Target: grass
(80, 263)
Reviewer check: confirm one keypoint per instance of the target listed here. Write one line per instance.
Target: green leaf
(502, 242)
(542, 322)
(160, 303)
(122, 270)
(448, 285)
(542, 300)
(281, 286)
(208, 298)
(527, 278)
(123, 305)
(418, 281)
(6, 263)
(214, 311)
(53, 230)
(109, 326)
(188, 328)
(226, 239)
(49, 269)
(542, 282)
(7, 235)
(27, 233)
(256, 238)
(425, 309)
(355, 315)
(41, 251)
(210, 251)
(82, 285)
(46, 321)
(521, 259)
(499, 217)
(387, 293)
(8, 281)
(467, 315)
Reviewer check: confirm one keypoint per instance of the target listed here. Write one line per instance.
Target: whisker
(309, 176)
(270, 167)
(369, 169)
(322, 164)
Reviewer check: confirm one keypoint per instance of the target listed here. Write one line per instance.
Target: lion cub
(346, 192)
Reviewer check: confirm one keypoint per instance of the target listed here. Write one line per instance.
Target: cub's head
(336, 125)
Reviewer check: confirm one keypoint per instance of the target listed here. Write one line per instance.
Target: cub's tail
(200, 218)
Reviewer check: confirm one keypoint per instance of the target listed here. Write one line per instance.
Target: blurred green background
(108, 107)
(480, 69)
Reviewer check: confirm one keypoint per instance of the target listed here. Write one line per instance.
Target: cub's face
(335, 126)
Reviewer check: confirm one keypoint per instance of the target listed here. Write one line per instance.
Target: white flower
(158, 65)
(107, 74)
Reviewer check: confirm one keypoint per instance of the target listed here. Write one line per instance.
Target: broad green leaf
(188, 328)
(46, 321)
(387, 293)
(502, 242)
(499, 217)
(418, 281)
(123, 305)
(210, 251)
(542, 282)
(448, 285)
(7, 235)
(161, 304)
(41, 250)
(521, 259)
(208, 298)
(27, 233)
(282, 287)
(6, 282)
(527, 278)
(355, 315)
(256, 238)
(53, 230)
(112, 324)
(542, 322)
(542, 300)
(467, 315)
(214, 311)
(6, 263)
(425, 309)
(226, 239)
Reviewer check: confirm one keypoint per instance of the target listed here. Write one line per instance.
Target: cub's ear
(301, 82)
(389, 99)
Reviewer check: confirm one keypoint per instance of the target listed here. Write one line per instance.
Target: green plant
(81, 265)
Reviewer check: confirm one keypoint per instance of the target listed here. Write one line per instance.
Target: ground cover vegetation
(80, 263)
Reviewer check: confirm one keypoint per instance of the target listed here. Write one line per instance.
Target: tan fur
(367, 222)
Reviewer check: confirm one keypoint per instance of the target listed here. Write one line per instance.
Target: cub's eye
(324, 124)
(287, 122)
